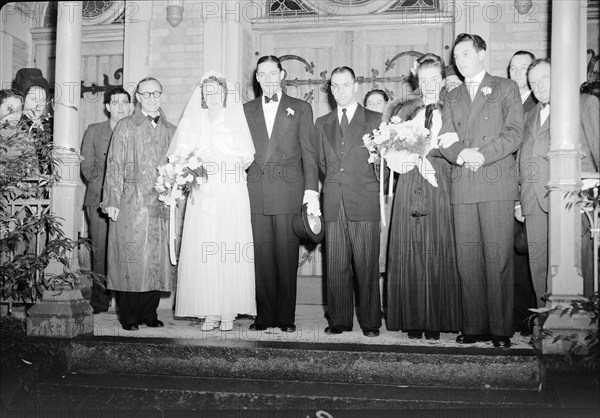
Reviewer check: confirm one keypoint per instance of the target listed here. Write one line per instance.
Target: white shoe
(226, 325)
(209, 325)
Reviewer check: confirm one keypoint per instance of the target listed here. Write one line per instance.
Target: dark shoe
(130, 327)
(472, 338)
(501, 342)
(415, 334)
(99, 310)
(336, 329)
(256, 327)
(432, 335)
(371, 332)
(154, 323)
(291, 328)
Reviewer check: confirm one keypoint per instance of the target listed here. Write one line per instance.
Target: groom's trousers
(484, 250)
(276, 251)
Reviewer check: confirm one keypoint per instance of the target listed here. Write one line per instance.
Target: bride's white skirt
(216, 262)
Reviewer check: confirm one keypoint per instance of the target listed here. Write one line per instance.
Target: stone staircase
(132, 373)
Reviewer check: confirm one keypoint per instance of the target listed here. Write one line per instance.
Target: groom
(482, 127)
(283, 176)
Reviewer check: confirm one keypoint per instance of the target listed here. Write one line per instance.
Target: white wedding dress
(216, 262)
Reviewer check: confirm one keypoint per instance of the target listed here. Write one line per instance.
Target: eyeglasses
(146, 95)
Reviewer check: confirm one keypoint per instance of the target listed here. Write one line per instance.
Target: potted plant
(35, 254)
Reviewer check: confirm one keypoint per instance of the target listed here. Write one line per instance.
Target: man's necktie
(344, 122)
(151, 119)
(271, 99)
(472, 87)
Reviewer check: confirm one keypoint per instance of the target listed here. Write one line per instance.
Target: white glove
(447, 139)
(112, 213)
(311, 198)
(519, 213)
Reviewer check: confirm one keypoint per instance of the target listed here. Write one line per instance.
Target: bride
(216, 265)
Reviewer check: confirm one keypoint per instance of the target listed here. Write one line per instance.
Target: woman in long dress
(423, 281)
(216, 269)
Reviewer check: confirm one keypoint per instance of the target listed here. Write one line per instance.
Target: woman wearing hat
(35, 89)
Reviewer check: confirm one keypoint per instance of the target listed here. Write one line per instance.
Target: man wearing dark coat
(351, 209)
(283, 176)
(94, 149)
(482, 127)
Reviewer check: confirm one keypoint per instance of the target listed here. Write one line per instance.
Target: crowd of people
(449, 259)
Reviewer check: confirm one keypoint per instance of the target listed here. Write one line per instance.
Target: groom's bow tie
(151, 119)
(271, 99)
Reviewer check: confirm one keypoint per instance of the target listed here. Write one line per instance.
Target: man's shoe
(336, 329)
(130, 327)
(154, 323)
(501, 342)
(99, 310)
(472, 338)
(256, 327)
(432, 335)
(371, 332)
(291, 328)
(415, 334)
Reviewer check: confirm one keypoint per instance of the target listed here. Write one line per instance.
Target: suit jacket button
(487, 118)
(484, 138)
(458, 123)
(341, 169)
(283, 156)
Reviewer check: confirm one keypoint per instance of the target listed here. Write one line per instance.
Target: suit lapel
(106, 131)
(258, 128)
(332, 131)
(280, 126)
(479, 99)
(356, 129)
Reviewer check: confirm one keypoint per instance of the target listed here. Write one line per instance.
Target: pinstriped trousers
(352, 244)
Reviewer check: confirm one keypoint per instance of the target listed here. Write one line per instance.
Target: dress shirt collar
(477, 79)
(525, 96)
(350, 110)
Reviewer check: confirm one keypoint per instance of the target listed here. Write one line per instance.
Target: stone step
(397, 365)
(94, 392)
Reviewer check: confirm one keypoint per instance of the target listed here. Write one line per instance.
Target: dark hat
(301, 223)
(28, 77)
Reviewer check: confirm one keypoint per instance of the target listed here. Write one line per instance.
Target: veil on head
(193, 131)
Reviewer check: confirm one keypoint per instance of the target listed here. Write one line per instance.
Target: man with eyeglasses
(138, 256)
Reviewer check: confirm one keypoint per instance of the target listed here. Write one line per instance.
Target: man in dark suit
(482, 128)
(351, 209)
(283, 176)
(524, 294)
(534, 173)
(517, 71)
(94, 148)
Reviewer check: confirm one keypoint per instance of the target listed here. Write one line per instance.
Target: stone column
(565, 282)
(67, 193)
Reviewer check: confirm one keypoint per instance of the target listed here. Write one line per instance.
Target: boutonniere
(486, 90)
(290, 112)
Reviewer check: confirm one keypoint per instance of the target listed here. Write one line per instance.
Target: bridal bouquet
(403, 145)
(177, 178)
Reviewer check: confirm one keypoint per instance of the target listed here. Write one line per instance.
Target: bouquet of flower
(403, 145)
(177, 178)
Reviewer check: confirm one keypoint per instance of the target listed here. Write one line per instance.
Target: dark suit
(351, 212)
(524, 294)
(483, 201)
(534, 174)
(529, 103)
(284, 167)
(94, 148)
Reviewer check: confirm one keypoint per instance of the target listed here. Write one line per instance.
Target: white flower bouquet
(177, 178)
(403, 145)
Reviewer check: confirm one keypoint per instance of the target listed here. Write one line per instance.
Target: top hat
(28, 77)
(308, 227)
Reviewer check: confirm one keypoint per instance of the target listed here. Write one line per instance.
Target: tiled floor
(310, 324)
